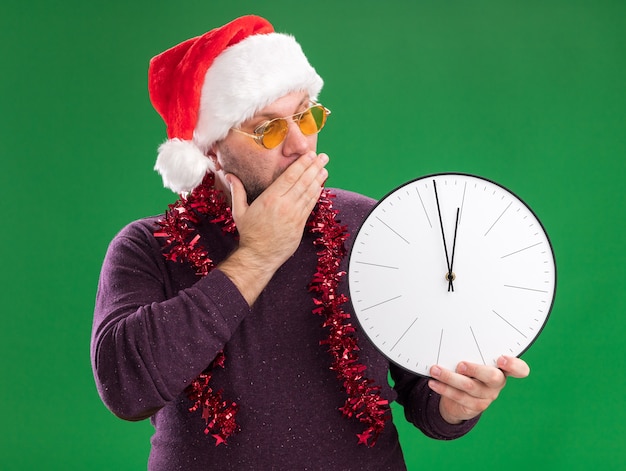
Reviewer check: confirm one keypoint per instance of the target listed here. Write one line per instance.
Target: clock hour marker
(502, 214)
(392, 230)
(423, 207)
(462, 202)
(405, 332)
(521, 250)
(477, 346)
(527, 289)
(376, 265)
(440, 342)
(508, 323)
(382, 302)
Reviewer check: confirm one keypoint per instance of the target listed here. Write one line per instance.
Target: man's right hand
(271, 228)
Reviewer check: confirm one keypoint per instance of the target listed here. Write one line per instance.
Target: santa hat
(207, 85)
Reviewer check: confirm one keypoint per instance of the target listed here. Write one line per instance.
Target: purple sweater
(157, 325)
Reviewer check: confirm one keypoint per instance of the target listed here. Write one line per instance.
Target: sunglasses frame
(259, 131)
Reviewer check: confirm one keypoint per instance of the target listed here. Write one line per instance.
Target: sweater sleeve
(148, 343)
(421, 406)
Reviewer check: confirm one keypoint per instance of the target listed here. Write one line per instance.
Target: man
(226, 321)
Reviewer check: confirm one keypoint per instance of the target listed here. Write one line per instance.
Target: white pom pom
(181, 164)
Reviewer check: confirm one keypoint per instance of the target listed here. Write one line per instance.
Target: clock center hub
(450, 276)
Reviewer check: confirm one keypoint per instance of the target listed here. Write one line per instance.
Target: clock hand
(451, 276)
(443, 236)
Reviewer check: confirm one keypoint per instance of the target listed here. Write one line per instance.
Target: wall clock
(451, 267)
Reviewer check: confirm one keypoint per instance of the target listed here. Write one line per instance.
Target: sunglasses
(271, 133)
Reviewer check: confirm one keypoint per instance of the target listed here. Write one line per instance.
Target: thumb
(512, 366)
(238, 196)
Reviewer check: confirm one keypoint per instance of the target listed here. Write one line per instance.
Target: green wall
(530, 94)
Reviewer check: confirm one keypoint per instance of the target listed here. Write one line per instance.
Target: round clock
(448, 268)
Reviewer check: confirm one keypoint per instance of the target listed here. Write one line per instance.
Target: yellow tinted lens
(274, 133)
(312, 120)
(319, 114)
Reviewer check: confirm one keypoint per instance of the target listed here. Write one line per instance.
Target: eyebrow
(270, 116)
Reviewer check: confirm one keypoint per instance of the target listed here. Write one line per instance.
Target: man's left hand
(468, 391)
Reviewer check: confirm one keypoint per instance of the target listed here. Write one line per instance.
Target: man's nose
(295, 143)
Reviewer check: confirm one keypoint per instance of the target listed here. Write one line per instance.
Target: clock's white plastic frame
(504, 264)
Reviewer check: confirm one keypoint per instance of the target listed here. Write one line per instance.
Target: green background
(530, 94)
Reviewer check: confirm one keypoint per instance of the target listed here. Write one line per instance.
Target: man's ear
(212, 154)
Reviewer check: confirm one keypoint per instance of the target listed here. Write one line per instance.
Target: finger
(478, 381)
(238, 196)
(310, 184)
(302, 185)
(314, 176)
(299, 176)
(292, 174)
(488, 375)
(471, 405)
(512, 366)
(450, 380)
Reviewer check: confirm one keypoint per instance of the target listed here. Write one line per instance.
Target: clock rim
(409, 182)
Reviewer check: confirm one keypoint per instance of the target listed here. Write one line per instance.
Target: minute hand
(443, 236)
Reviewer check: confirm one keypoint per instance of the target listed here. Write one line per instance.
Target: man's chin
(253, 193)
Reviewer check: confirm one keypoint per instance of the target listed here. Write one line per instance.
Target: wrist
(445, 415)
(248, 272)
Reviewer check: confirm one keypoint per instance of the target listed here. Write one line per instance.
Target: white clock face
(503, 280)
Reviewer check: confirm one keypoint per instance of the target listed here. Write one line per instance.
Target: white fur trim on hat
(181, 165)
(247, 77)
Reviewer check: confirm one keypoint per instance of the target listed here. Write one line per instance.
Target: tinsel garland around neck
(182, 243)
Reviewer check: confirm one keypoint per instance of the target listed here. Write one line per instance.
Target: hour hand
(451, 276)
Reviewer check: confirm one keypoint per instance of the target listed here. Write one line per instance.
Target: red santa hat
(207, 85)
